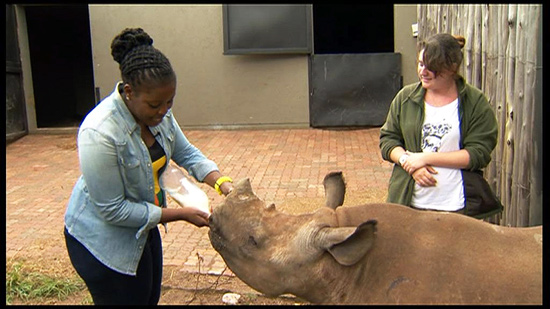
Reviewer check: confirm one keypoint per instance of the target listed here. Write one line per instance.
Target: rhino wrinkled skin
(376, 253)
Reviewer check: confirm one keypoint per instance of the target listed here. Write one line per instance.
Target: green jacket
(478, 127)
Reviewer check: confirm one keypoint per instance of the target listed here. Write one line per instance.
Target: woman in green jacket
(435, 129)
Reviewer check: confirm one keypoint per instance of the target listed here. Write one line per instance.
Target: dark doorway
(61, 61)
(354, 72)
(353, 28)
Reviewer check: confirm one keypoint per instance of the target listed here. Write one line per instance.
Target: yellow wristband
(219, 183)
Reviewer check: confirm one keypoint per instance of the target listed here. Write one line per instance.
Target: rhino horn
(243, 186)
(348, 245)
(335, 189)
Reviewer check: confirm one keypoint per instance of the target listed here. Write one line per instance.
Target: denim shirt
(111, 208)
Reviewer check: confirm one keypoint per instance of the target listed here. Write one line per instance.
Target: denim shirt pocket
(129, 163)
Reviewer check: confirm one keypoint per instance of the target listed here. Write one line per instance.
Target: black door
(16, 122)
(354, 73)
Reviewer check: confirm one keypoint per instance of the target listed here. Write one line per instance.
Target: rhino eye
(252, 241)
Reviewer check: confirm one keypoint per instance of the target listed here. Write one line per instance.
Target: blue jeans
(109, 287)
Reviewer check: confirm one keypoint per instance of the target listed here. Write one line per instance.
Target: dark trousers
(109, 287)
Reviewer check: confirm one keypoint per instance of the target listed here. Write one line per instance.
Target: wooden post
(500, 58)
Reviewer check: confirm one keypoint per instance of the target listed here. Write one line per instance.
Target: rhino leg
(335, 189)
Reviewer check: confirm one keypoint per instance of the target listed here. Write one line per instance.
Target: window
(267, 29)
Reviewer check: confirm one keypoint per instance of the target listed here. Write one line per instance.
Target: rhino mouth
(216, 239)
(242, 195)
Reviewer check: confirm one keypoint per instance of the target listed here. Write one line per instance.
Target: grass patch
(26, 284)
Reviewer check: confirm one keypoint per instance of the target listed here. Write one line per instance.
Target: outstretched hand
(189, 214)
(196, 217)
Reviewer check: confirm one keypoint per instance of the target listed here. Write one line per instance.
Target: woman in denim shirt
(123, 145)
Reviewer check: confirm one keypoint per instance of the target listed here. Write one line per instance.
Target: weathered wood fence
(503, 57)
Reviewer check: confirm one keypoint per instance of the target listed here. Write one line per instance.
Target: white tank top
(441, 133)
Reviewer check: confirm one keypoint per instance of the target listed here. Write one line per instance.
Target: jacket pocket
(129, 163)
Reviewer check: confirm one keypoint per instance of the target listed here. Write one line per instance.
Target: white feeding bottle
(182, 189)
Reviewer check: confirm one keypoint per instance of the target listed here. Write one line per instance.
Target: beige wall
(405, 43)
(213, 90)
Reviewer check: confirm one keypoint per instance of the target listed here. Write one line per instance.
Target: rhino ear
(347, 244)
(335, 189)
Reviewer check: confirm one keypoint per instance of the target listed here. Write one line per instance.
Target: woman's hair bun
(460, 39)
(127, 40)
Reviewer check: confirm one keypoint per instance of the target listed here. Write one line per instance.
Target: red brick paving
(281, 164)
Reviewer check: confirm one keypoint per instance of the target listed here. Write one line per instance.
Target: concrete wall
(405, 43)
(28, 89)
(213, 90)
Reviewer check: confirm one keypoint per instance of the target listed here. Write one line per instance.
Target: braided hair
(139, 62)
(442, 51)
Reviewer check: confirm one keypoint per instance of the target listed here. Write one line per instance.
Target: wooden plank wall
(500, 58)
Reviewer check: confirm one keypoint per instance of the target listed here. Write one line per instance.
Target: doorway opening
(353, 73)
(61, 61)
(353, 28)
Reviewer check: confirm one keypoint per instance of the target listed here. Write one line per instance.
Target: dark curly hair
(442, 51)
(138, 60)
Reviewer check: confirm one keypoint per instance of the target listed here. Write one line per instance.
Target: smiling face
(150, 103)
(433, 80)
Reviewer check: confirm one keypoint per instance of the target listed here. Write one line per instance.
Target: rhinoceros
(378, 253)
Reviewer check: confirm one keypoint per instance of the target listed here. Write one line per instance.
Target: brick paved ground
(283, 165)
